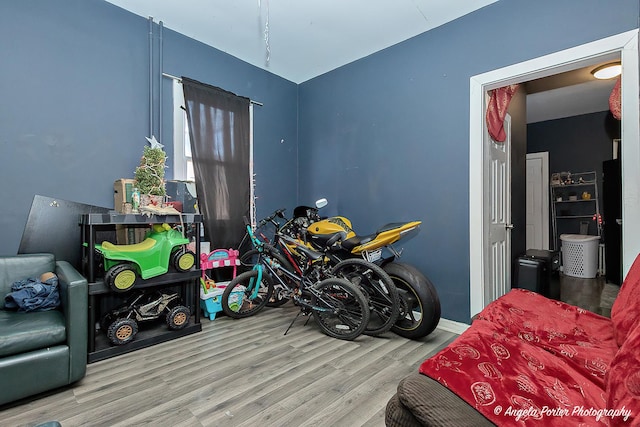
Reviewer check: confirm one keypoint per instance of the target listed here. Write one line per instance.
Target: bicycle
(338, 307)
(267, 231)
(281, 244)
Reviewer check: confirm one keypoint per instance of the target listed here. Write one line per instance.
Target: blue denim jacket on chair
(33, 295)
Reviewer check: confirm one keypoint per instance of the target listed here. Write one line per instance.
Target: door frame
(544, 157)
(624, 45)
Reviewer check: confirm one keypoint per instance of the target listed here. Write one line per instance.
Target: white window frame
(180, 136)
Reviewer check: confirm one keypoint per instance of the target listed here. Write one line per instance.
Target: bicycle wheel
(238, 298)
(279, 295)
(379, 289)
(339, 308)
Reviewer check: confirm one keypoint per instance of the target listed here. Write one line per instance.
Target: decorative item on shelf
(135, 200)
(566, 178)
(122, 194)
(555, 179)
(573, 196)
(598, 218)
(151, 200)
(586, 195)
(149, 175)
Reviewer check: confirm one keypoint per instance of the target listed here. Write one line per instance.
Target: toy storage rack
(98, 347)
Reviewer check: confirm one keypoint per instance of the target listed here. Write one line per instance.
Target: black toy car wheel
(122, 331)
(121, 277)
(183, 260)
(178, 317)
(106, 321)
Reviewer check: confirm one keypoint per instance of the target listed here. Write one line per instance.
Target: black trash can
(537, 270)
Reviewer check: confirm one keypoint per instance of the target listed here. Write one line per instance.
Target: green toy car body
(162, 247)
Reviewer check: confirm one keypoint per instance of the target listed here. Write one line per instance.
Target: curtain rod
(260, 104)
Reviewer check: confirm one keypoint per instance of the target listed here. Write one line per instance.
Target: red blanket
(529, 360)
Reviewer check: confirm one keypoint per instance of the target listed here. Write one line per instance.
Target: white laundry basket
(580, 255)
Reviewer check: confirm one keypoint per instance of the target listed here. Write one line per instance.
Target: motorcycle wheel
(419, 302)
(279, 295)
(378, 287)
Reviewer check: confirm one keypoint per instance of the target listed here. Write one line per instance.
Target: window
(182, 161)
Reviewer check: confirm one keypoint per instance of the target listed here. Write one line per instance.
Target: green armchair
(40, 351)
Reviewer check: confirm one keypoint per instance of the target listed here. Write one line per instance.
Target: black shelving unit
(102, 299)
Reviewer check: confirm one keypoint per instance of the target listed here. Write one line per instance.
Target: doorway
(625, 45)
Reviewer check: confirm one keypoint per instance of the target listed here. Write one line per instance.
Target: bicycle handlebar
(278, 213)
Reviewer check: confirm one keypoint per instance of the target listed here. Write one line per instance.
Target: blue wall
(74, 105)
(386, 138)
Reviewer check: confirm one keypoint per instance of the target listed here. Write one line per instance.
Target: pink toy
(211, 292)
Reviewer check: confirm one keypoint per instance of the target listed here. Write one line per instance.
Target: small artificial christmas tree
(149, 176)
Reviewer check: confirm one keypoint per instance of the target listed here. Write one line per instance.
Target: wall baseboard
(452, 326)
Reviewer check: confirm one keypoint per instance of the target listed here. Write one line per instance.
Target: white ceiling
(306, 38)
(301, 39)
(568, 94)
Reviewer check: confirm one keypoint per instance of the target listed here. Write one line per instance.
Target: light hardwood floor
(239, 373)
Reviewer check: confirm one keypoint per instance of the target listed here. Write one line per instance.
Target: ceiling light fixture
(607, 71)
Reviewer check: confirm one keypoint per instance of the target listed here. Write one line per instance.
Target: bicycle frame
(273, 267)
(275, 241)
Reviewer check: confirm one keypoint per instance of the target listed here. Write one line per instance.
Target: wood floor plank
(243, 372)
(238, 372)
(355, 405)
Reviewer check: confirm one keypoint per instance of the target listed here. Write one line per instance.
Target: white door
(498, 277)
(537, 201)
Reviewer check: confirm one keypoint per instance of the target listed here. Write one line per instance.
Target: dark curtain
(220, 148)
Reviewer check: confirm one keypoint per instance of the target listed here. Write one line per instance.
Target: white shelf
(576, 210)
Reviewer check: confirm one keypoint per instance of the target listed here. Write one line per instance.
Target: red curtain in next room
(497, 110)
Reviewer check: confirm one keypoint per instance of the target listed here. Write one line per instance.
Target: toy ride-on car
(152, 257)
(121, 324)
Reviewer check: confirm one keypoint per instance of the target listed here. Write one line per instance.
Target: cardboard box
(182, 195)
(122, 189)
